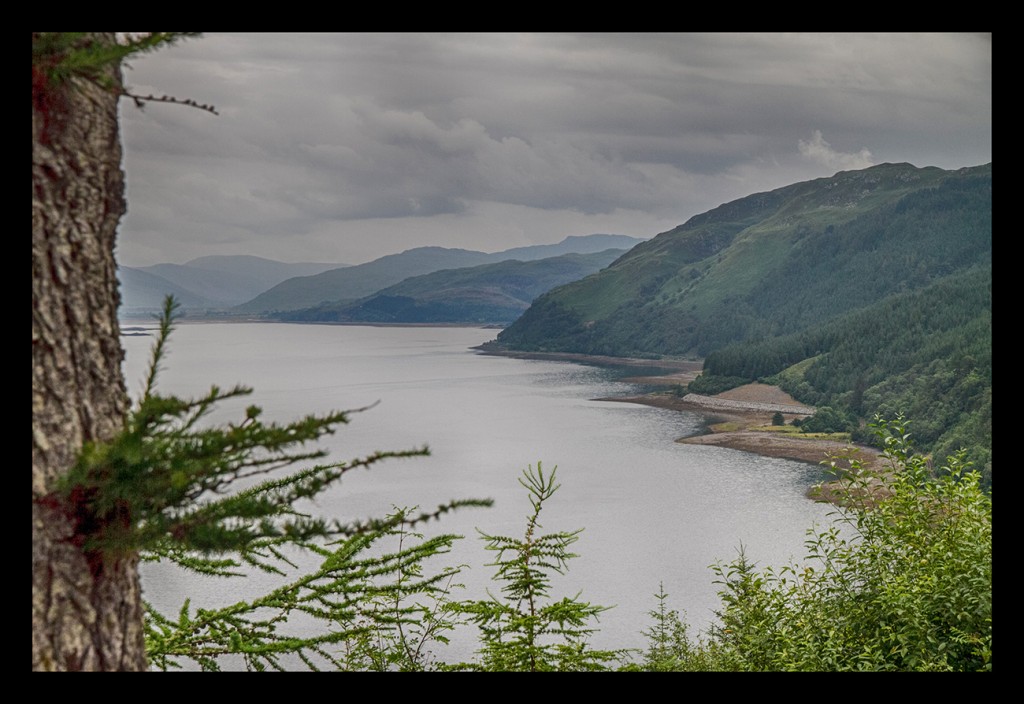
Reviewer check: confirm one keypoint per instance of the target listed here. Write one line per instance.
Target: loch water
(654, 511)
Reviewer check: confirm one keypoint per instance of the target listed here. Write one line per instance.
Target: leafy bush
(901, 581)
(827, 420)
(709, 384)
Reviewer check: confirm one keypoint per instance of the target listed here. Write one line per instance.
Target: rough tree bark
(86, 613)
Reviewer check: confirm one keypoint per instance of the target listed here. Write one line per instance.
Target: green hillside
(925, 353)
(869, 291)
(772, 264)
(489, 293)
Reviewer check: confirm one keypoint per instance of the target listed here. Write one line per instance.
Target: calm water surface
(653, 510)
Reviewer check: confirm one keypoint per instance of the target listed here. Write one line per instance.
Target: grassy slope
(771, 263)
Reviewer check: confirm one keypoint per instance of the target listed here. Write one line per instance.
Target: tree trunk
(86, 612)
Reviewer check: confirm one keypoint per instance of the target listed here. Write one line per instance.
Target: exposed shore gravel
(730, 417)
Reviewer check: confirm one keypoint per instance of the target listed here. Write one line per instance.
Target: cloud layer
(345, 147)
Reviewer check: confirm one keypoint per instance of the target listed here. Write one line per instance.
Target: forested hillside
(869, 291)
(924, 353)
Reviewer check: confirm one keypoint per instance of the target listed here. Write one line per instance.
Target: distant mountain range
(212, 282)
(239, 285)
(362, 280)
(232, 285)
(487, 294)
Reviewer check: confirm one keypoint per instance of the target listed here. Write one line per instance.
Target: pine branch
(141, 100)
(167, 484)
(357, 592)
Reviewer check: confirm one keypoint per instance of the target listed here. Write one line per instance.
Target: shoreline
(734, 428)
(737, 419)
(683, 365)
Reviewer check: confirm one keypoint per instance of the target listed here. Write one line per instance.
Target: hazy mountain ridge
(143, 291)
(488, 293)
(362, 280)
(217, 281)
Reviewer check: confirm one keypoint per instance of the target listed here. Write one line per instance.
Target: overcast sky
(347, 147)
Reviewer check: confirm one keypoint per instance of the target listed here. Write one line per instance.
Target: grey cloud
(327, 133)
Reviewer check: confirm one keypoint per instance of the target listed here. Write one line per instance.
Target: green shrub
(709, 385)
(827, 420)
(901, 581)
